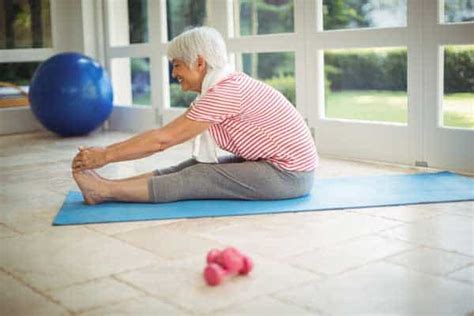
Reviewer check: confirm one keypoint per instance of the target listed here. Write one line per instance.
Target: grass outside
(391, 106)
(383, 106)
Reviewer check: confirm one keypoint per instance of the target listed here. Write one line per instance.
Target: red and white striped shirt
(254, 121)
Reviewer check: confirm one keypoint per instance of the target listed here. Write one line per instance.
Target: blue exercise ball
(71, 94)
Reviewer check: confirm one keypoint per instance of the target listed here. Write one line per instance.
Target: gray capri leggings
(231, 178)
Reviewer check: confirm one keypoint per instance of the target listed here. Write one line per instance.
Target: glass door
(364, 77)
(448, 85)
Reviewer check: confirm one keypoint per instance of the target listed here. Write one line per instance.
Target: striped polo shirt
(255, 121)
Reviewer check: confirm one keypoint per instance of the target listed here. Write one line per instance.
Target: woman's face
(189, 78)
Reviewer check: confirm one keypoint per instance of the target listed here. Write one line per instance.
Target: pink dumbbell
(227, 262)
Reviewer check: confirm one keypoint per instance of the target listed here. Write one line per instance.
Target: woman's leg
(247, 180)
(97, 189)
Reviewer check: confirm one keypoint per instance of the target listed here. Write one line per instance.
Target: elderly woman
(274, 153)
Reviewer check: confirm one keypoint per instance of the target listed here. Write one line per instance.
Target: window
(131, 81)
(183, 14)
(257, 17)
(366, 84)
(128, 22)
(14, 82)
(25, 24)
(456, 11)
(354, 14)
(458, 100)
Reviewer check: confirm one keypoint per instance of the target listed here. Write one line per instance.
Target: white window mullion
(265, 43)
(456, 33)
(134, 50)
(415, 80)
(221, 17)
(158, 72)
(300, 59)
(313, 90)
(359, 38)
(25, 55)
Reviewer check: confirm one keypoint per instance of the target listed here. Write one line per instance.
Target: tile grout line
(428, 246)
(468, 265)
(305, 306)
(34, 289)
(12, 229)
(332, 244)
(438, 213)
(96, 279)
(161, 299)
(289, 302)
(127, 243)
(95, 308)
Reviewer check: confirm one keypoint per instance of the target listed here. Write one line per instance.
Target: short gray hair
(204, 41)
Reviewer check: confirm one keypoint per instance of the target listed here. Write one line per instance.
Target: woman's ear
(201, 63)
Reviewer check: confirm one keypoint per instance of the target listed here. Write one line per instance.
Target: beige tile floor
(413, 260)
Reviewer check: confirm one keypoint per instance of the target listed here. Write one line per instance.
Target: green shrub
(367, 70)
(356, 70)
(459, 69)
(284, 84)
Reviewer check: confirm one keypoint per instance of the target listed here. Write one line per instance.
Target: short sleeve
(218, 104)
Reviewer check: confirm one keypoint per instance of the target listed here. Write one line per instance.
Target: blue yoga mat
(327, 194)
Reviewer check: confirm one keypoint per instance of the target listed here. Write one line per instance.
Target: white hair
(204, 41)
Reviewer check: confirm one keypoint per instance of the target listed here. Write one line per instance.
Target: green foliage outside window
(184, 14)
(459, 69)
(25, 24)
(138, 21)
(362, 70)
(19, 74)
(266, 16)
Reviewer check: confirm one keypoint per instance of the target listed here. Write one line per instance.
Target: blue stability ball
(70, 94)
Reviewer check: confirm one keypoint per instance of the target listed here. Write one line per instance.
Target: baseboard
(18, 120)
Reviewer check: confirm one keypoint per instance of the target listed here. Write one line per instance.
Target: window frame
(410, 143)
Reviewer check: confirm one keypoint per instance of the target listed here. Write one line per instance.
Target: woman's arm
(142, 145)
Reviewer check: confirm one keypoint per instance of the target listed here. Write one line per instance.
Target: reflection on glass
(276, 69)
(179, 98)
(184, 14)
(456, 11)
(128, 22)
(131, 81)
(265, 17)
(14, 82)
(366, 84)
(25, 24)
(458, 101)
(354, 14)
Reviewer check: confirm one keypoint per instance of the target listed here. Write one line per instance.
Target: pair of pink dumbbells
(228, 262)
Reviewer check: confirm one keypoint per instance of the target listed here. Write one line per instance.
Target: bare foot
(91, 185)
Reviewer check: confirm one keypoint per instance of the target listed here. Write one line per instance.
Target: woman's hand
(89, 158)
